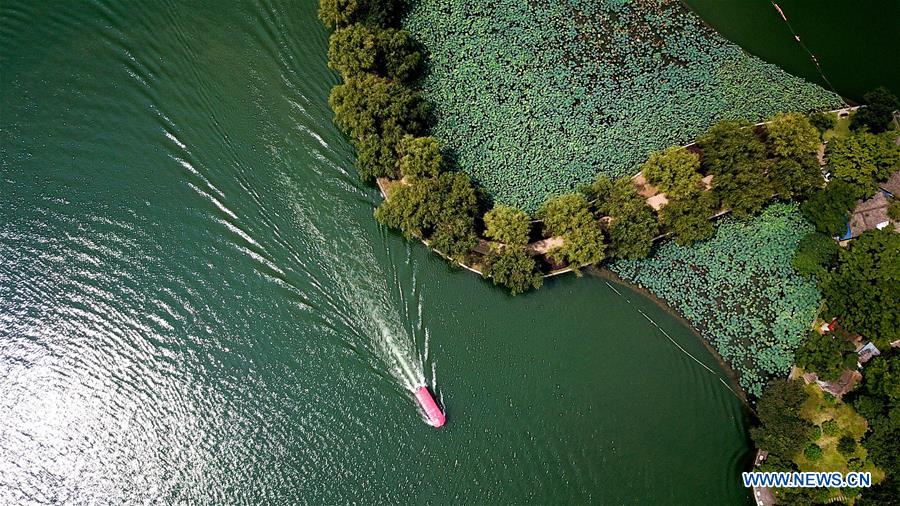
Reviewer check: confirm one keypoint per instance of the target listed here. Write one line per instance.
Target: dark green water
(857, 43)
(197, 307)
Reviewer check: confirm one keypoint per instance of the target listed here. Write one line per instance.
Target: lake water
(856, 43)
(196, 305)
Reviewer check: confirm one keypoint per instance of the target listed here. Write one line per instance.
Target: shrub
(846, 445)
(815, 433)
(830, 427)
(894, 210)
(813, 451)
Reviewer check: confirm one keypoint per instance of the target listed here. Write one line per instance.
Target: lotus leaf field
(533, 99)
(739, 290)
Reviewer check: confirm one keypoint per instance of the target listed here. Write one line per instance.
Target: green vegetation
(782, 430)
(632, 225)
(827, 355)
(569, 217)
(376, 113)
(739, 290)
(879, 401)
(793, 141)
(438, 209)
(876, 117)
(419, 157)
(674, 171)
(340, 13)
(816, 254)
(508, 225)
(823, 121)
(829, 209)
(537, 98)
(687, 218)
(863, 159)
(359, 49)
(863, 292)
(736, 157)
(512, 268)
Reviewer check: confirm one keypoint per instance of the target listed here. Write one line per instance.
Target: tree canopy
(675, 171)
(632, 226)
(512, 268)
(508, 225)
(823, 121)
(439, 209)
(340, 13)
(815, 255)
(387, 52)
(377, 113)
(736, 156)
(791, 135)
(782, 431)
(688, 218)
(419, 156)
(863, 292)
(877, 115)
(796, 177)
(829, 208)
(827, 355)
(569, 216)
(863, 159)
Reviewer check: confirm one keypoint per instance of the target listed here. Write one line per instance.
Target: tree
(823, 121)
(863, 292)
(846, 445)
(512, 268)
(744, 189)
(340, 13)
(387, 52)
(827, 355)
(829, 208)
(730, 144)
(883, 377)
(791, 135)
(568, 216)
(782, 431)
(863, 159)
(815, 255)
(674, 171)
(370, 105)
(375, 158)
(812, 451)
(508, 225)
(796, 178)
(443, 206)
(419, 156)
(894, 210)
(877, 115)
(632, 225)
(688, 218)
(377, 114)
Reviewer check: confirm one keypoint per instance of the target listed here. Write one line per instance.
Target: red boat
(434, 414)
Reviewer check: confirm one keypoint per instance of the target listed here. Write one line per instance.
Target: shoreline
(608, 275)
